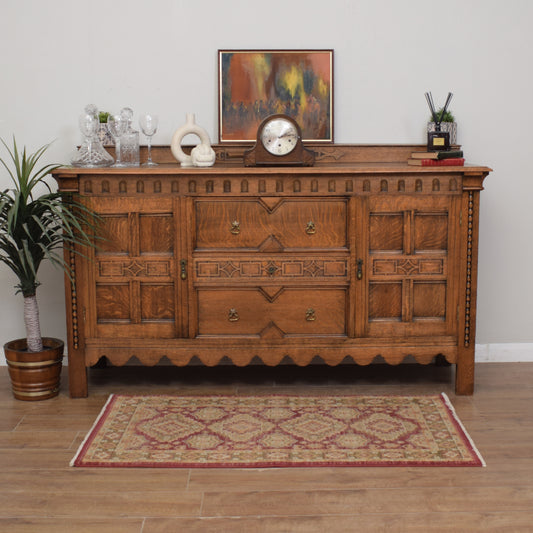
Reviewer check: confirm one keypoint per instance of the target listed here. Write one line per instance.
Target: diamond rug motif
(277, 431)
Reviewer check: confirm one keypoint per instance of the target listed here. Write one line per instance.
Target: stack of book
(437, 159)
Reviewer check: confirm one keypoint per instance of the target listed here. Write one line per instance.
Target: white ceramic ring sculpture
(202, 155)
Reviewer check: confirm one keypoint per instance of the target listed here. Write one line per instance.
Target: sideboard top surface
(330, 159)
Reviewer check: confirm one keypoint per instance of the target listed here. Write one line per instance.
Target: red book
(452, 162)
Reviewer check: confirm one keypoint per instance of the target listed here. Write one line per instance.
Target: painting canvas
(254, 84)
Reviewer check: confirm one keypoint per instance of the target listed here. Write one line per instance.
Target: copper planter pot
(34, 375)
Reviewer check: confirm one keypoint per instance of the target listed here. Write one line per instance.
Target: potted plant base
(34, 375)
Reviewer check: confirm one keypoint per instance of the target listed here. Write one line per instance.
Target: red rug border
(477, 459)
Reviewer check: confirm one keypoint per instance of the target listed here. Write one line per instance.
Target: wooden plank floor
(39, 492)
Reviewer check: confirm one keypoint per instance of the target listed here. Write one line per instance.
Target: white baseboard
(504, 353)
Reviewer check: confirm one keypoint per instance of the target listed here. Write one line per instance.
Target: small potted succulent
(34, 226)
(447, 124)
(103, 132)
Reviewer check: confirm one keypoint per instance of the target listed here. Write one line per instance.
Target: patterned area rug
(277, 431)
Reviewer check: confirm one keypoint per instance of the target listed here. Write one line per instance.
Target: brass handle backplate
(310, 315)
(310, 228)
(233, 316)
(235, 228)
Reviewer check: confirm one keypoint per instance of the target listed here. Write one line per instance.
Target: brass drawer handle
(310, 315)
(310, 229)
(233, 316)
(235, 228)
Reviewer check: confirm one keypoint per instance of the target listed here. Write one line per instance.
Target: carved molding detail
(325, 153)
(74, 299)
(313, 268)
(133, 269)
(147, 186)
(407, 267)
(469, 256)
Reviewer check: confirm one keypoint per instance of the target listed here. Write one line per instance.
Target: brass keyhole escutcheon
(235, 227)
(310, 315)
(310, 228)
(183, 269)
(359, 274)
(233, 316)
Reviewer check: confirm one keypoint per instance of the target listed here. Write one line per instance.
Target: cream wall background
(161, 56)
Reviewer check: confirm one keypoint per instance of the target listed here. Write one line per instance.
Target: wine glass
(117, 125)
(148, 124)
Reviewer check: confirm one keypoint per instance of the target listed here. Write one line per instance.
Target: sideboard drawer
(271, 225)
(272, 313)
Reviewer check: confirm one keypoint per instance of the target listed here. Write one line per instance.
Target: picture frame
(253, 84)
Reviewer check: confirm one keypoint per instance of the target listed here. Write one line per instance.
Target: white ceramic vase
(201, 155)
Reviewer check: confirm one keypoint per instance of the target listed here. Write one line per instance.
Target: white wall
(161, 56)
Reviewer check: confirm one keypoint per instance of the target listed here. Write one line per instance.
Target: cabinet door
(409, 259)
(132, 281)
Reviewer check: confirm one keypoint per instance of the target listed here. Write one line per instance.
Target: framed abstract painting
(254, 84)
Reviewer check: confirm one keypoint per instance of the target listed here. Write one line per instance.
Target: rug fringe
(450, 406)
(90, 432)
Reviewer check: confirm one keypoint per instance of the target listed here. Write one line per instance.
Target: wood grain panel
(157, 302)
(386, 232)
(156, 233)
(114, 232)
(385, 301)
(429, 300)
(431, 231)
(113, 302)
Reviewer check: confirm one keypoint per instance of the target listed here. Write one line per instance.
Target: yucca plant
(35, 227)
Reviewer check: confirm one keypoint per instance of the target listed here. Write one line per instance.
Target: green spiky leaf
(34, 228)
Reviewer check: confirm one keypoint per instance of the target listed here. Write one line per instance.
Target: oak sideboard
(359, 256)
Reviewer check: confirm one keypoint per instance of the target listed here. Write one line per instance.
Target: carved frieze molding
(297, 184)
(133, 268)
(408, 267)
(253, 269)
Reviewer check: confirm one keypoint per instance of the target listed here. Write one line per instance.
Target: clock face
(279, 136)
